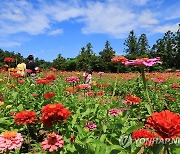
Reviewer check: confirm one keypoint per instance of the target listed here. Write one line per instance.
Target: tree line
(167, 48)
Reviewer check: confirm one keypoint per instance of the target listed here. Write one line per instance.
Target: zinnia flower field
(55, 112)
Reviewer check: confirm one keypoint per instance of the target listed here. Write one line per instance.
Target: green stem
(146, 90)
(114, 89)
(166, 149)
(7, 151)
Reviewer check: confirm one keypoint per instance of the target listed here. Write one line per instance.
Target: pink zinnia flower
(91, 125)
(53, 142)
(83, 86)
(100, 73)
(72, 79)
(143, 62)
(10, 140)
(114, 112)
(33, 74)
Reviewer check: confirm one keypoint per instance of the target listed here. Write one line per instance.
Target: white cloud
(107, 18)
(113, 17)
(146, 19)
(9, 44)
(55, 32)
(165, 28)
(140, 2)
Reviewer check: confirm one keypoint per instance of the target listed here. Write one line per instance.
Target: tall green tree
(71, 64)
(59, 62)
(177, 48)
(143, 46)
(165, 48)
(131, 46)
(106, 55)
(43, 64)
(85, 57)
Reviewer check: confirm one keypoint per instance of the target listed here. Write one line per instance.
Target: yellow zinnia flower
(8, 106)
(1, 103)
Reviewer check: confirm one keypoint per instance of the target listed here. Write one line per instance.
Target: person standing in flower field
(85, 74)
(31, 66)
(88, 79)
(21, 68)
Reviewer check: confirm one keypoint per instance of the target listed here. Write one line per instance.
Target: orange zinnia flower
(118, 59)
(70, 89)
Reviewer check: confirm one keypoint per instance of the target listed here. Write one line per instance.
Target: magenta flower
(72, 79)
(91, 125)
(53, 142)
(143, 62)
(10, 140)
(114, 112)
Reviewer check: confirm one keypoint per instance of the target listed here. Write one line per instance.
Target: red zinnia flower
(16, 75)
(53, 113)
(130, 100)
(104, 85)
(25, 117)
(175, 86)
(50, 77)
(166, 124)
(143, 133)
(43, 81)
(49, 95)
(9, 59)
(100, 93)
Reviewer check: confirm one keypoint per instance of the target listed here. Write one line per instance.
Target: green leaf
(20, 107)
(104, 128)
(75, 117)
(133, 128)
(148, 108)
(157, 148)
(103, 137)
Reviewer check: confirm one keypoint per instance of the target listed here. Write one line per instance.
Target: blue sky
(46, 28)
